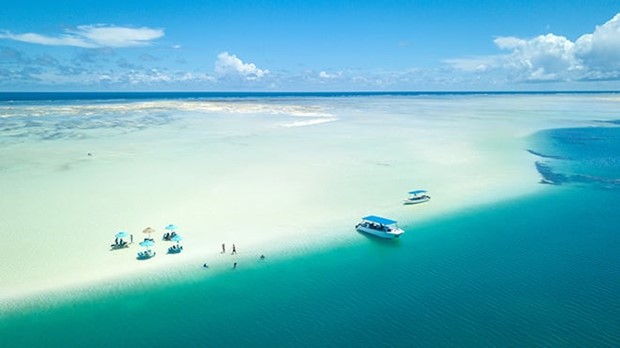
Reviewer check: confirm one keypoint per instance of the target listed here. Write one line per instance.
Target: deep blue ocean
(77, 96)
(542, 270)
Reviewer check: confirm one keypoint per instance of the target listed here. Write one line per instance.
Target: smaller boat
(417, 196)
(379, 226)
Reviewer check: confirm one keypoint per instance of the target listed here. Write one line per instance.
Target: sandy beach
(274, 177)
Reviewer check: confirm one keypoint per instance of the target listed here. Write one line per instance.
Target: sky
(279, 45)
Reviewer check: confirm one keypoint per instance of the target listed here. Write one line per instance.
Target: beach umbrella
(121, 234)
(148, 230)
(147, 244)
(171, 227)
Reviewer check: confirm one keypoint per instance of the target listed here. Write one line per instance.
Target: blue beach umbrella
(147, 244)
(121, 234)
(171, 227)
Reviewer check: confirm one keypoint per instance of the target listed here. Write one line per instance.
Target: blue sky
(309, 46)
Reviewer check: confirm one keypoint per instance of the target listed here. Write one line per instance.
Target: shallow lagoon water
(541, 269)
(546, 275)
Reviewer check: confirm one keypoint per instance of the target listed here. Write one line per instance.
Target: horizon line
(177, 95)
(319, 92)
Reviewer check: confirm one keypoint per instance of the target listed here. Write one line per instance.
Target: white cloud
(63, 40)
(474, 64)
(230, 65)
(326, 75)
(545, 57)
(111, 36)
(92, 36)
(601, 49)
(553, 57)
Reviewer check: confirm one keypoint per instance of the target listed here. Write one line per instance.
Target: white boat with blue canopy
(417, 196)
(379, 226)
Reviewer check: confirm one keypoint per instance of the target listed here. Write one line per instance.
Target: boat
(417, 196)
(379, 226)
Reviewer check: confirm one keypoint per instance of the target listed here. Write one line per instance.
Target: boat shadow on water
(383, 242)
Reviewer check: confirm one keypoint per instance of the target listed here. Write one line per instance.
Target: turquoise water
(538, 271)
(543, 270)
(547, 275)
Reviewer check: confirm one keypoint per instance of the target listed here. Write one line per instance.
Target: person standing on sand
(223, 248)
(131, 238)
(234, 250)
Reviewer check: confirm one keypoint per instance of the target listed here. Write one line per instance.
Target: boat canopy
(417, 192)
(379, 220)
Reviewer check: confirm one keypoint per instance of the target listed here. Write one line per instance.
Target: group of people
(118, 243)
(376, 226)
(234, 251)
(175, 248)
(169, 235)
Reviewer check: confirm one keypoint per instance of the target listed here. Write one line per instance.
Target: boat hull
(382, 234)
(416, 201)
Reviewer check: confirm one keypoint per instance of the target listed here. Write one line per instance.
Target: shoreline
(190, 268)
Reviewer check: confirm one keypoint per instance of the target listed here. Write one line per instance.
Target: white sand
(273, 177)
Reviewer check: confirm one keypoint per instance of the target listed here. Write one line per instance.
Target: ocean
(538, 269)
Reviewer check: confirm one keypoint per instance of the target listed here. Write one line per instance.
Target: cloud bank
(550, 57)
(550, 61)
(92, 36)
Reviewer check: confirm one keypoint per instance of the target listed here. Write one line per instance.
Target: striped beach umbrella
(148, 230)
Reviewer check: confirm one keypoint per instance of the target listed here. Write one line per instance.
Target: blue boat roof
(379, 220)
(417, 192)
